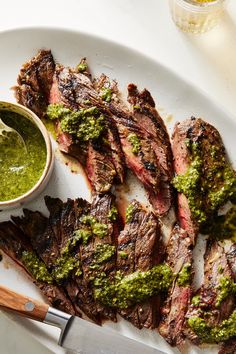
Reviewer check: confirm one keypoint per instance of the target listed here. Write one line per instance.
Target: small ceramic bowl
(43, 180)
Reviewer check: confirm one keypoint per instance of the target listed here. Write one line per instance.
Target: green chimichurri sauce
(123, 254)
(82, 67)
(19, 170)
(226, 288)
(208, 334)
(129, 212)
(185, 275)
(135, 143)
(209, 188)
(36, 267)
(97, 228)
(113, 214)
(104, 252)
(196, 300)
(133, 288)
(64, 266)
(106, 94)
(85, 124)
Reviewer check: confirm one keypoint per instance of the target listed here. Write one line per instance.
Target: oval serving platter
(175, 98)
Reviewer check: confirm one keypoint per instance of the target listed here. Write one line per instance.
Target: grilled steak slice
(75, 90)
(35, 226)
(41, 232)
(16, 245)
(143, 164)
(205, 180)
(98, 256)
(144, 140)
(179, 258)
(85, 297)
(153, 128)
(34, 82)
(212, 304)
(65, 219)
(138, 249)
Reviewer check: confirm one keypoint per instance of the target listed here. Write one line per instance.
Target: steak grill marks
(34, 82)
(152, 161)
(14, 243)
(139, 249)
(179, 257)
(45, 237)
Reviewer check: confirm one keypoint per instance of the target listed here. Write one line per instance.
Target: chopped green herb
(217, 334)
(185, 275)
(82, 234)
(196, 300)
(104, 252)
(64, 266)
(113, 214)
(57, 111)
(226, 288)
(135, 143)
(129, 212)
(123, 254)
(100, 230)
(97, 228)
(133, 288)
(106, 94)
(82, 67)
(85, 124)
(36, 267)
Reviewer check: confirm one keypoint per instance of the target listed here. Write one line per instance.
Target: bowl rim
(26, 112)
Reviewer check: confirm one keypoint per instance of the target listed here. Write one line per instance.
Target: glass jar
(196, 16)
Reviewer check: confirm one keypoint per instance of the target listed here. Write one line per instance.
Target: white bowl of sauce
(23, 173)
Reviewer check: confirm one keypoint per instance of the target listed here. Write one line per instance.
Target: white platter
(175, 99)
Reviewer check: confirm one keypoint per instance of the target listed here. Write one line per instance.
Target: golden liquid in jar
(196, 16)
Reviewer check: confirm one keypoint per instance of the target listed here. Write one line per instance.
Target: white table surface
(208, 61)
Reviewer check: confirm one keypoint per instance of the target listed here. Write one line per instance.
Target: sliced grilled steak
(99, 254)
(153, 128)
(44, 237)
(35, 226)
(76, 91)
(16, 245)
(65, 219)
(205, 180)
(35, 81)
(144, 140)
(210, 304)
(179, 258)
(85, 297)
(139, 249)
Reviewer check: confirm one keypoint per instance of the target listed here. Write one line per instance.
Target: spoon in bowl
(6, 132)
